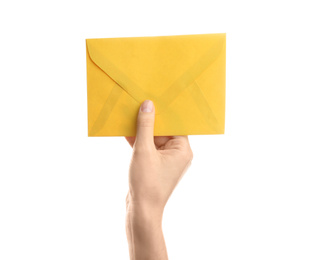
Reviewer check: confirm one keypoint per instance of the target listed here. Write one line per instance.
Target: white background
(247, 193)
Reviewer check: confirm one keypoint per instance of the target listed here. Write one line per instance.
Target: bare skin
(158, 164)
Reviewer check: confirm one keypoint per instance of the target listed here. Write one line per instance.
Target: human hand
(158, 163)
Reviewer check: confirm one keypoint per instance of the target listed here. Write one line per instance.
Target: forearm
(144, 234)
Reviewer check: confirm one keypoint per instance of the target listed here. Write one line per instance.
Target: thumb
(145, 124)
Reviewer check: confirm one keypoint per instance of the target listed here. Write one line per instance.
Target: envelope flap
(154, 67)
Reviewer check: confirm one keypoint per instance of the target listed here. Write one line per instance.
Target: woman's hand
(158, 163)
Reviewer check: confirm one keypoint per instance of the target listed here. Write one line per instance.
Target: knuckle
(145, 122)
(175, 142)
(188, 155)
(191, 154)
(142, 149)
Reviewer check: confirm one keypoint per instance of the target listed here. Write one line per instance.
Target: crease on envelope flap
(192, 74)
(121, 59)
(205, 108)
(106, 110)
(115, 74)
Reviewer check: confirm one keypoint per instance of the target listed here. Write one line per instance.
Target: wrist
(143, 208)
(144, 214)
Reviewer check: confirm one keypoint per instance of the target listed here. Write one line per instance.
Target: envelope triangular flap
(146, 66)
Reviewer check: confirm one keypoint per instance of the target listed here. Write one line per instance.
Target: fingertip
(147, 106)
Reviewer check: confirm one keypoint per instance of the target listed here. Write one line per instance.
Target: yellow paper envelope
(184, 76)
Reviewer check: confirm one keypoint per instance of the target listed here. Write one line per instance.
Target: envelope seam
(106, 110)
(110, 76)
(192, 78)
(209, 115)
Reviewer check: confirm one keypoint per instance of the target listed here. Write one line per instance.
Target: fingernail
(147, 106)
